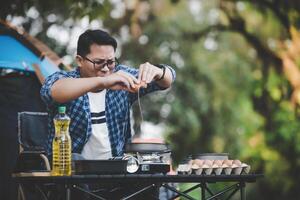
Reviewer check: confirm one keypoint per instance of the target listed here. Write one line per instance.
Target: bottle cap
(62, 109)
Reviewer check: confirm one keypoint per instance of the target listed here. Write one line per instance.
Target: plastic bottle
(61, 145)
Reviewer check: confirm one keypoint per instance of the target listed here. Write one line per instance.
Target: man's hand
(149, 72)
(121, 80)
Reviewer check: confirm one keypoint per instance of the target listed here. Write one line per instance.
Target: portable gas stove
(147, 158)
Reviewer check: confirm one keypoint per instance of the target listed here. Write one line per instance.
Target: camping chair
(32, 134)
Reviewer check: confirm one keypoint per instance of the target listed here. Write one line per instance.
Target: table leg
(243, 190)
(203, 189)
(68, 192)
(178, 192)
(21, 194)
(138, 192)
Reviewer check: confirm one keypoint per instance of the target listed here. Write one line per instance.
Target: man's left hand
(149, 72)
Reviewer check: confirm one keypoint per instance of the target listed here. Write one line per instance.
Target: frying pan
(147, 148)
(211, 156)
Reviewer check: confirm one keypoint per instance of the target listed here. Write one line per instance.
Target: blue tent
(22, 52)
(15, 55)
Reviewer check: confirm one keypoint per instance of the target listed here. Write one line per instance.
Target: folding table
(237, 183)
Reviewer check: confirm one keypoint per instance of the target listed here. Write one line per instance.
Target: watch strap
(163, 67)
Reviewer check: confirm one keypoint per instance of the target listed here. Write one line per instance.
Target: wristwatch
(163, 67)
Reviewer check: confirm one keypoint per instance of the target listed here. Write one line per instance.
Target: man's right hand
(121, 80)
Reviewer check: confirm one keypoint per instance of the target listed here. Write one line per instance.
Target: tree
(275, 96)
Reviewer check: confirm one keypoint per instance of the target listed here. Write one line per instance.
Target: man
(99, 94)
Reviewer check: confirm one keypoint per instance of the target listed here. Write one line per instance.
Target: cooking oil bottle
(61, 146)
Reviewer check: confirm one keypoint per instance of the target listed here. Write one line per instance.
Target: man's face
(99, 62)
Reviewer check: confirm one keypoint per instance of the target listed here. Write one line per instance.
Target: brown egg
(246, 168)
(244, 165)
(195, 166)
(215, 166)
(198, 162)
(218, 162)
(237, 162)
(224, 165)
(207, 163)
(228, 163)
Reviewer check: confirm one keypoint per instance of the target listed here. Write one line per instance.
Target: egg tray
(216, 167)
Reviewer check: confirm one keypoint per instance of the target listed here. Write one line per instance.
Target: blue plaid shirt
(117, 107)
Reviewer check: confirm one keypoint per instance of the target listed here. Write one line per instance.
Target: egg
(195, 166)
(227, 163)
(198, 162)
(208, 163)
(246, 168)
(237, 162)
(218, 163)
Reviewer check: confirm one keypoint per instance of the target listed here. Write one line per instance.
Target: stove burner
(150, 157)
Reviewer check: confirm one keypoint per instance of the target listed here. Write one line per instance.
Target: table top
(45, 177)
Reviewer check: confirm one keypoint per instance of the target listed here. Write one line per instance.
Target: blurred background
(238, 73)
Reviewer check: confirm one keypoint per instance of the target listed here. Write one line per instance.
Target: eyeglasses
(101, 63)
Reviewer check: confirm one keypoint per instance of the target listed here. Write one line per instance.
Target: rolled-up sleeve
(172, 71)
(45, 91)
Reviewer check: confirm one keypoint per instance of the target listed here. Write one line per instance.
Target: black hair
(90, 37)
